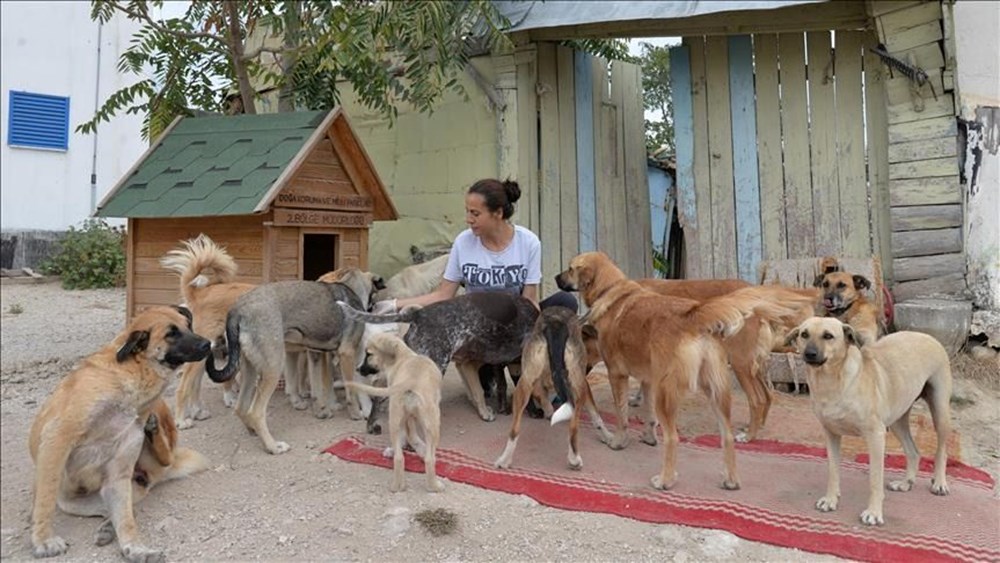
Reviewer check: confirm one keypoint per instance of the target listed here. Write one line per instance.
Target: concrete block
(948, 321)
(785, 368)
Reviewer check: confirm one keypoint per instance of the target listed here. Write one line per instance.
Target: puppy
(843, 299)
(161, 459)
(414, 393)
(859, 388)
(88, 436)
(554, 351)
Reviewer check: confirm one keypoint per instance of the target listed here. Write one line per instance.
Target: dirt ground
(308, 506)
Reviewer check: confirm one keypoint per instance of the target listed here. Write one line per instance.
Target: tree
(655, 62)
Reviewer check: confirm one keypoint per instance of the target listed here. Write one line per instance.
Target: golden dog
(88, 437)
(671, 344)
(414, 391)
(860, 388)
(843, 299)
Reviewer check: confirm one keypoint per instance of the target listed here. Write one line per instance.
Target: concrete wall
(51, 48)
(427, 163)
(977, 42)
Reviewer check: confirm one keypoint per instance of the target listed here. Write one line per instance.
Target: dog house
(289, 195)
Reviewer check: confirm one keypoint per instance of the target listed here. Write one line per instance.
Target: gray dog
(471, 329)
(295, 312)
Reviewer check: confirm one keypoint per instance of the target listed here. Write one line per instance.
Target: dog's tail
(377, 391)
(190, 263)
(725, 314)
(405, 316)
(233, 348)
(556, 334)
(186, 462)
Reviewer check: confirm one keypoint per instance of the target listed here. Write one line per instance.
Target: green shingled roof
(207, 166)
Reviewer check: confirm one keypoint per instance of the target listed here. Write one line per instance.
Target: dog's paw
(105, 533)
(731, 484)
(397, 487)
(635, 399)
(435, 486)
(201, 413)
(574, 462)
(742, 437)
(279, 448)
(616, 443)
(648, 437)
(660, 484)
(375, 429)
(51, 547)
(941, 488)
(298, 403)
(387, 452)
(140, 554)
(323, 412)
(229, 399)
(487, 414)
(185, 423)
(827, 504)
(901, 486)
(872, 517)
(356, 414)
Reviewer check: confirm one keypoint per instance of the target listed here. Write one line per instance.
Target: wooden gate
(774, 159)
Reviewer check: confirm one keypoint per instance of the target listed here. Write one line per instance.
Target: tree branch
(254, 53)
(144, 16)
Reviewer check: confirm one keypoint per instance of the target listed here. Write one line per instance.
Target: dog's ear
(136, 343)
(791, 337)
(818, 282)
(378, 283)
(861, 282)
(588, 331)
(852, 336)
(187, 315)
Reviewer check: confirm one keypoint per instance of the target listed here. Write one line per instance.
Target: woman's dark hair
(498, 195)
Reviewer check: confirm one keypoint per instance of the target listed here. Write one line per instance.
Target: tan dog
(860, 388)
(161, 459)
(554, 354)
(88, 436)
(671, 344)
(844, 299)
(414, 391)
(206, 274)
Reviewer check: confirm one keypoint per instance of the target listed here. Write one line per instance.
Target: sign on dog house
(288, 195)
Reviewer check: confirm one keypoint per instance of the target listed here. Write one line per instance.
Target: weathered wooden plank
(914, 37)
(702, 157)
(926, 243)
(237, 247)
(925, 56)
(854, 208)
(921, 217)
(130, 235)
(823, 144)
(772, 184)
(527, 136)
(549, 182)
(602, 161)
(745, 179)
(944, 126)
(636, 184)
(583, 75)
(923, 267)
(922, 150)
(687, 211)
(568, 205)
(905, 112)
(925, 191)
(935, 167)
(795, 130)
(720, 145)
(899, 21)
(880, 7)
(950, 284)
(897, 86)
(616, 154)
(507, 136)
(877, 148)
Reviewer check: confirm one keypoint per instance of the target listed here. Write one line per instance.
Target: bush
(90, 257)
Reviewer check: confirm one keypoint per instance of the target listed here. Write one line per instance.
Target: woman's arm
(530, 292)
(445, 290)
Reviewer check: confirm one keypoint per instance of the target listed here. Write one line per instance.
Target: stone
(946, 320)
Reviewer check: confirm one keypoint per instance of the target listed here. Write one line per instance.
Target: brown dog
(859, 388)
(161, 459)
(88, 436)
(843, 299)
(206, 274)
(414, 393)
(671, 344)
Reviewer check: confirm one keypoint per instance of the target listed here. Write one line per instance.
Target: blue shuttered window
(38, 121)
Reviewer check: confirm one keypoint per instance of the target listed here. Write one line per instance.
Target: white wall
(51, 48)
(977, 43)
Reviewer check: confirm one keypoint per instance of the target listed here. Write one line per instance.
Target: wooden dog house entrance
(289, 195)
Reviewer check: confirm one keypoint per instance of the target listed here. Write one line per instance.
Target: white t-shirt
(481, 269)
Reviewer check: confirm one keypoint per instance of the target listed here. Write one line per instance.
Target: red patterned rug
(780, 484)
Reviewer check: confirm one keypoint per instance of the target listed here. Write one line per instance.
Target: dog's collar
(840, 311)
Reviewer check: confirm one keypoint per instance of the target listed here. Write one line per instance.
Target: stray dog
(161, 459)
(301, 313)
(88, 437)
(414, 391)
(414, 280)
(843, 299)
(554, 350)
(669, 343)
(471, 329)
(859, 388)
(206, 274)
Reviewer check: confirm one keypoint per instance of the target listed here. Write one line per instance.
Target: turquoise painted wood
(659, 185)
(749, 243)
(586, 185)
(680, 79)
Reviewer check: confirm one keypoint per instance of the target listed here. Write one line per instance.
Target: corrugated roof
(206, 166)
(537, 14)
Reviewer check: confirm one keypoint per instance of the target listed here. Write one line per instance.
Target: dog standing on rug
(414, 391)
(88, 437)
(555, 350)
(844, 299)
(859, 388)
